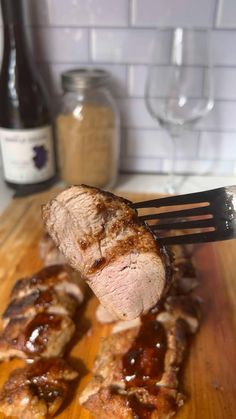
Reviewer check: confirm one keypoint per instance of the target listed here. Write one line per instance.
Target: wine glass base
(173, 185)
(170, 189)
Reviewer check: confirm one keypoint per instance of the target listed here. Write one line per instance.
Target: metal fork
(213, 210)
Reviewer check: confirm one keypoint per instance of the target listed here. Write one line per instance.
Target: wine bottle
(26, 129)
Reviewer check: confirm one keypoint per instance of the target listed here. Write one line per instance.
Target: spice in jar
(88, 130)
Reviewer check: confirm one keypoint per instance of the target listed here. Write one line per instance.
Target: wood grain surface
(209, 374)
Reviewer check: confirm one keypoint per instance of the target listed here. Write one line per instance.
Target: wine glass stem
(171, 187)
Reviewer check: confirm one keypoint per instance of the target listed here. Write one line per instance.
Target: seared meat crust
(57, 276)
(37, 390)
(49, 301)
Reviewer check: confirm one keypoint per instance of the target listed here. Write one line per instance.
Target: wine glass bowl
(180, 107)
(180, 92)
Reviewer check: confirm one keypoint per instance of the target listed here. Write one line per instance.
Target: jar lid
(82, 78)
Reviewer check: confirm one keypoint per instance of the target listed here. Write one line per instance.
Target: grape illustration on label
(40, 157)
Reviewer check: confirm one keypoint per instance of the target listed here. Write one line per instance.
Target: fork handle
(206, 237)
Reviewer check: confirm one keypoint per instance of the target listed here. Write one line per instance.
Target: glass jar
(88, 129)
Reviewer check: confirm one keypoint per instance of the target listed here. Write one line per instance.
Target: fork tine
(210, 222)
(209, 236)
(191, 198)
(190, 212)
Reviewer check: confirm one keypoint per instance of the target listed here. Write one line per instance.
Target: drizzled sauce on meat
(145, 359)
(40, 385)
(47, 272)
(44, 298)
(143, 364)
(45, 392)
(37, 331)
(140, 410)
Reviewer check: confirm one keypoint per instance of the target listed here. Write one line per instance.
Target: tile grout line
(217, 13)
(179, 158)
(130, 13)
(137, 64)
(90, 45)
(124, 27)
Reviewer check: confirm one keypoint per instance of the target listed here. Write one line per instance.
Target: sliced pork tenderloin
(50, 301)
(45, 335)
(51, 256)
(49, 253)
(101, 236)
(38, 390)
(104, 316)
(59, 277)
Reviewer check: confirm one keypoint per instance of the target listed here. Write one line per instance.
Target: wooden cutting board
(209, 375)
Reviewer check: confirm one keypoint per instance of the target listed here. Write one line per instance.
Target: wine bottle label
(27, 154)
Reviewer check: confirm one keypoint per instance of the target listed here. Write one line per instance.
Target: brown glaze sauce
(49, 271)
(37, 331)
(44, 366)
(98, 264)
(46, 392)
(143, 364)
(140, 410)
(44, 298)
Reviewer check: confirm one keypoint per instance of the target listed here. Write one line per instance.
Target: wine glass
(180, 92)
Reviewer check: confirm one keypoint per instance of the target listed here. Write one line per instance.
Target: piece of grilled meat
(184, 280)
(38, 390)
(45, 335)
(136, 370)
(102, 237)
(49, 253)
(38, 320)
(49, 300)
(58, 276)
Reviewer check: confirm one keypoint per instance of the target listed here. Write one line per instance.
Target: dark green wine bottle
(26, 128)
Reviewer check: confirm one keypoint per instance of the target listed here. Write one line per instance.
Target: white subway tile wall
(221, 145)
(225, 82)
(92, 12)
(123, 45)
(226, 14)
(151, 143)
(61, 44)
(117, 36)
(173, 13)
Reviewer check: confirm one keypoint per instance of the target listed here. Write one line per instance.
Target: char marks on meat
(39, 301)
(37, 391)
(101, 236)
(59, 277)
